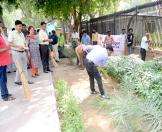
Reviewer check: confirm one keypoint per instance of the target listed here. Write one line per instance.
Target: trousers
(3, 82)
(44, 49)
(129, 50)
(94, 74)
(22, 59)
(143, 54)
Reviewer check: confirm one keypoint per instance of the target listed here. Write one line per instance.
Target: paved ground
(38, 115)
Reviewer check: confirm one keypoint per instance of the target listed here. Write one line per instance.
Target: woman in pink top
(108, 39)
(4, 61)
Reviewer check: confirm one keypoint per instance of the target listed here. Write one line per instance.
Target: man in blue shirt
(85, 38)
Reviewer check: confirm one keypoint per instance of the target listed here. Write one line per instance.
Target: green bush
(142, 77)
(132, 114)
(69, 109)
(139, 107)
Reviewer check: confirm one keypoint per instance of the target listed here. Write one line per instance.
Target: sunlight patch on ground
(81, 90)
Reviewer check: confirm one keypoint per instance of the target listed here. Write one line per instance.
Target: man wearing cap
(97, 57)
(17, 41)
(145, 46)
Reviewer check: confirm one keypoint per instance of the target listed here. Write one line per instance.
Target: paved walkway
(38, 115)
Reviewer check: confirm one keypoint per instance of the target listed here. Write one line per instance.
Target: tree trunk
(1, 14)
(63, 27)
(75, 16)
(1, 19)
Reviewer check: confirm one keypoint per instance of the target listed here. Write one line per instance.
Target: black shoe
(18, 83)
(45, 71)
(30, 82)
(49, 70)
(9, 94)
(57, 61)
(9, 98)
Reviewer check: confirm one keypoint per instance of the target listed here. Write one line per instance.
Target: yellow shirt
(43, 36)
(94, 36)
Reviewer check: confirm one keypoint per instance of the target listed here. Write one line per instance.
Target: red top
(109, 40)
(4, 56)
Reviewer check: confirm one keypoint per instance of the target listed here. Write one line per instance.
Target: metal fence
(143, 18)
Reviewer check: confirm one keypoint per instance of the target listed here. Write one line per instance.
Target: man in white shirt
(75, 38)
(145, 46)
(97, 57)
(17, 41)
(44, 47)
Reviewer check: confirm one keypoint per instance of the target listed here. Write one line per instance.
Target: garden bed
(139, 106)
(69, 110)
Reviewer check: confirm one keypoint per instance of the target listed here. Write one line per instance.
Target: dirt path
(95, 120)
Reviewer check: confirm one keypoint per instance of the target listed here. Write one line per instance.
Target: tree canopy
(73, 11)
(9, 2)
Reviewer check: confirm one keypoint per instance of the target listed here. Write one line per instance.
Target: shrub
(69, 109)
(136, 115)
(142, 77)
(133, 114)
(118, 66)
(130, 112)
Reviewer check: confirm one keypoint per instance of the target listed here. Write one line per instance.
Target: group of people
(29, 46)
(92, 55)
(26, 46)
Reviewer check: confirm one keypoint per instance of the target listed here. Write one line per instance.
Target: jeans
(45, 56)
(94, 74)
(94, 42)
(143, 54)
(3, 82)
(129, 50)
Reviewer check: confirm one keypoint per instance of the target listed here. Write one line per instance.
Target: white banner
(118, 45)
